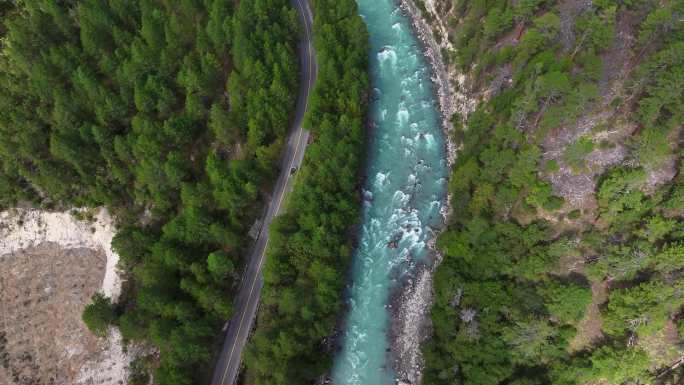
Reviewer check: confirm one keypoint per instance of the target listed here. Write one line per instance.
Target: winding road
(230, 358)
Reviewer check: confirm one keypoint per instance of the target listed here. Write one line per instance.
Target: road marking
(275, 213)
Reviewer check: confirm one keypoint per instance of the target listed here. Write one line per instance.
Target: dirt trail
(589, 329)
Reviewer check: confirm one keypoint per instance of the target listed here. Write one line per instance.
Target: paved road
(228, 364)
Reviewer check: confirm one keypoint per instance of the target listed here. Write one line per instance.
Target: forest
(310, 248)
(537, 285)
(172, 114)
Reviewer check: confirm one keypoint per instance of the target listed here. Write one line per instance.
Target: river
(404, 191)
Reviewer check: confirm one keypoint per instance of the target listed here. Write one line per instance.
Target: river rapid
(404, 193)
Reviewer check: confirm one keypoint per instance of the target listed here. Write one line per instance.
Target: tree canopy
(170, 113)
(527, 276)
(309, 248)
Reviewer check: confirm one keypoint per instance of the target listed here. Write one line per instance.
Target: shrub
(567, 302)
(99, 314)
(576, 152)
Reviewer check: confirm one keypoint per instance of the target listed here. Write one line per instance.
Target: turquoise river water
(404, 192)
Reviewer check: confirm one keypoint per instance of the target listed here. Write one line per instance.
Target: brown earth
(589, 328)
(43, 291)
(663, 346)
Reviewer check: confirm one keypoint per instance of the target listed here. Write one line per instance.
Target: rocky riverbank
(410, 324)
(452, 88)
(410, 303)
(433, 52)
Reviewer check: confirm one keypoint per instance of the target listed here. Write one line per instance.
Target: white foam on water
(410, 237)
(398, 213)
(415, 78)
(429, 140)
(387, 54)
(380, 180)
(435, 206)
(400, 198)
(404, 255)
(366, 234)
(377, 245)
(406, 141)
(418, 247)
(402, 114)
(407, 93)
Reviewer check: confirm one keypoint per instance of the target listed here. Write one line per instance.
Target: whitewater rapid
(404, 193)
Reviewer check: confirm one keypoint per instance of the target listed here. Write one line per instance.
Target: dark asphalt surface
(228, 364)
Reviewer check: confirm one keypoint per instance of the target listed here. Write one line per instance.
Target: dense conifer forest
(563, 262)
(173, 115)
(310, 245)
(546, 279)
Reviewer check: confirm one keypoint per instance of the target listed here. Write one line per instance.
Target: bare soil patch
(663, 346)
(43, 290)
(604, 124)
(589, 328)
(51, 263)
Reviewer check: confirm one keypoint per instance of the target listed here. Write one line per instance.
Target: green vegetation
(99, 314)
(170, 113)
(515, 291)
(139, 371)
(309, 247)
(576, 152)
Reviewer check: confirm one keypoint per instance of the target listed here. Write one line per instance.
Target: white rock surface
(30, 227)
(22, 228)
(111, 366)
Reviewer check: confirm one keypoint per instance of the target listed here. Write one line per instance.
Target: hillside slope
(564, 258)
